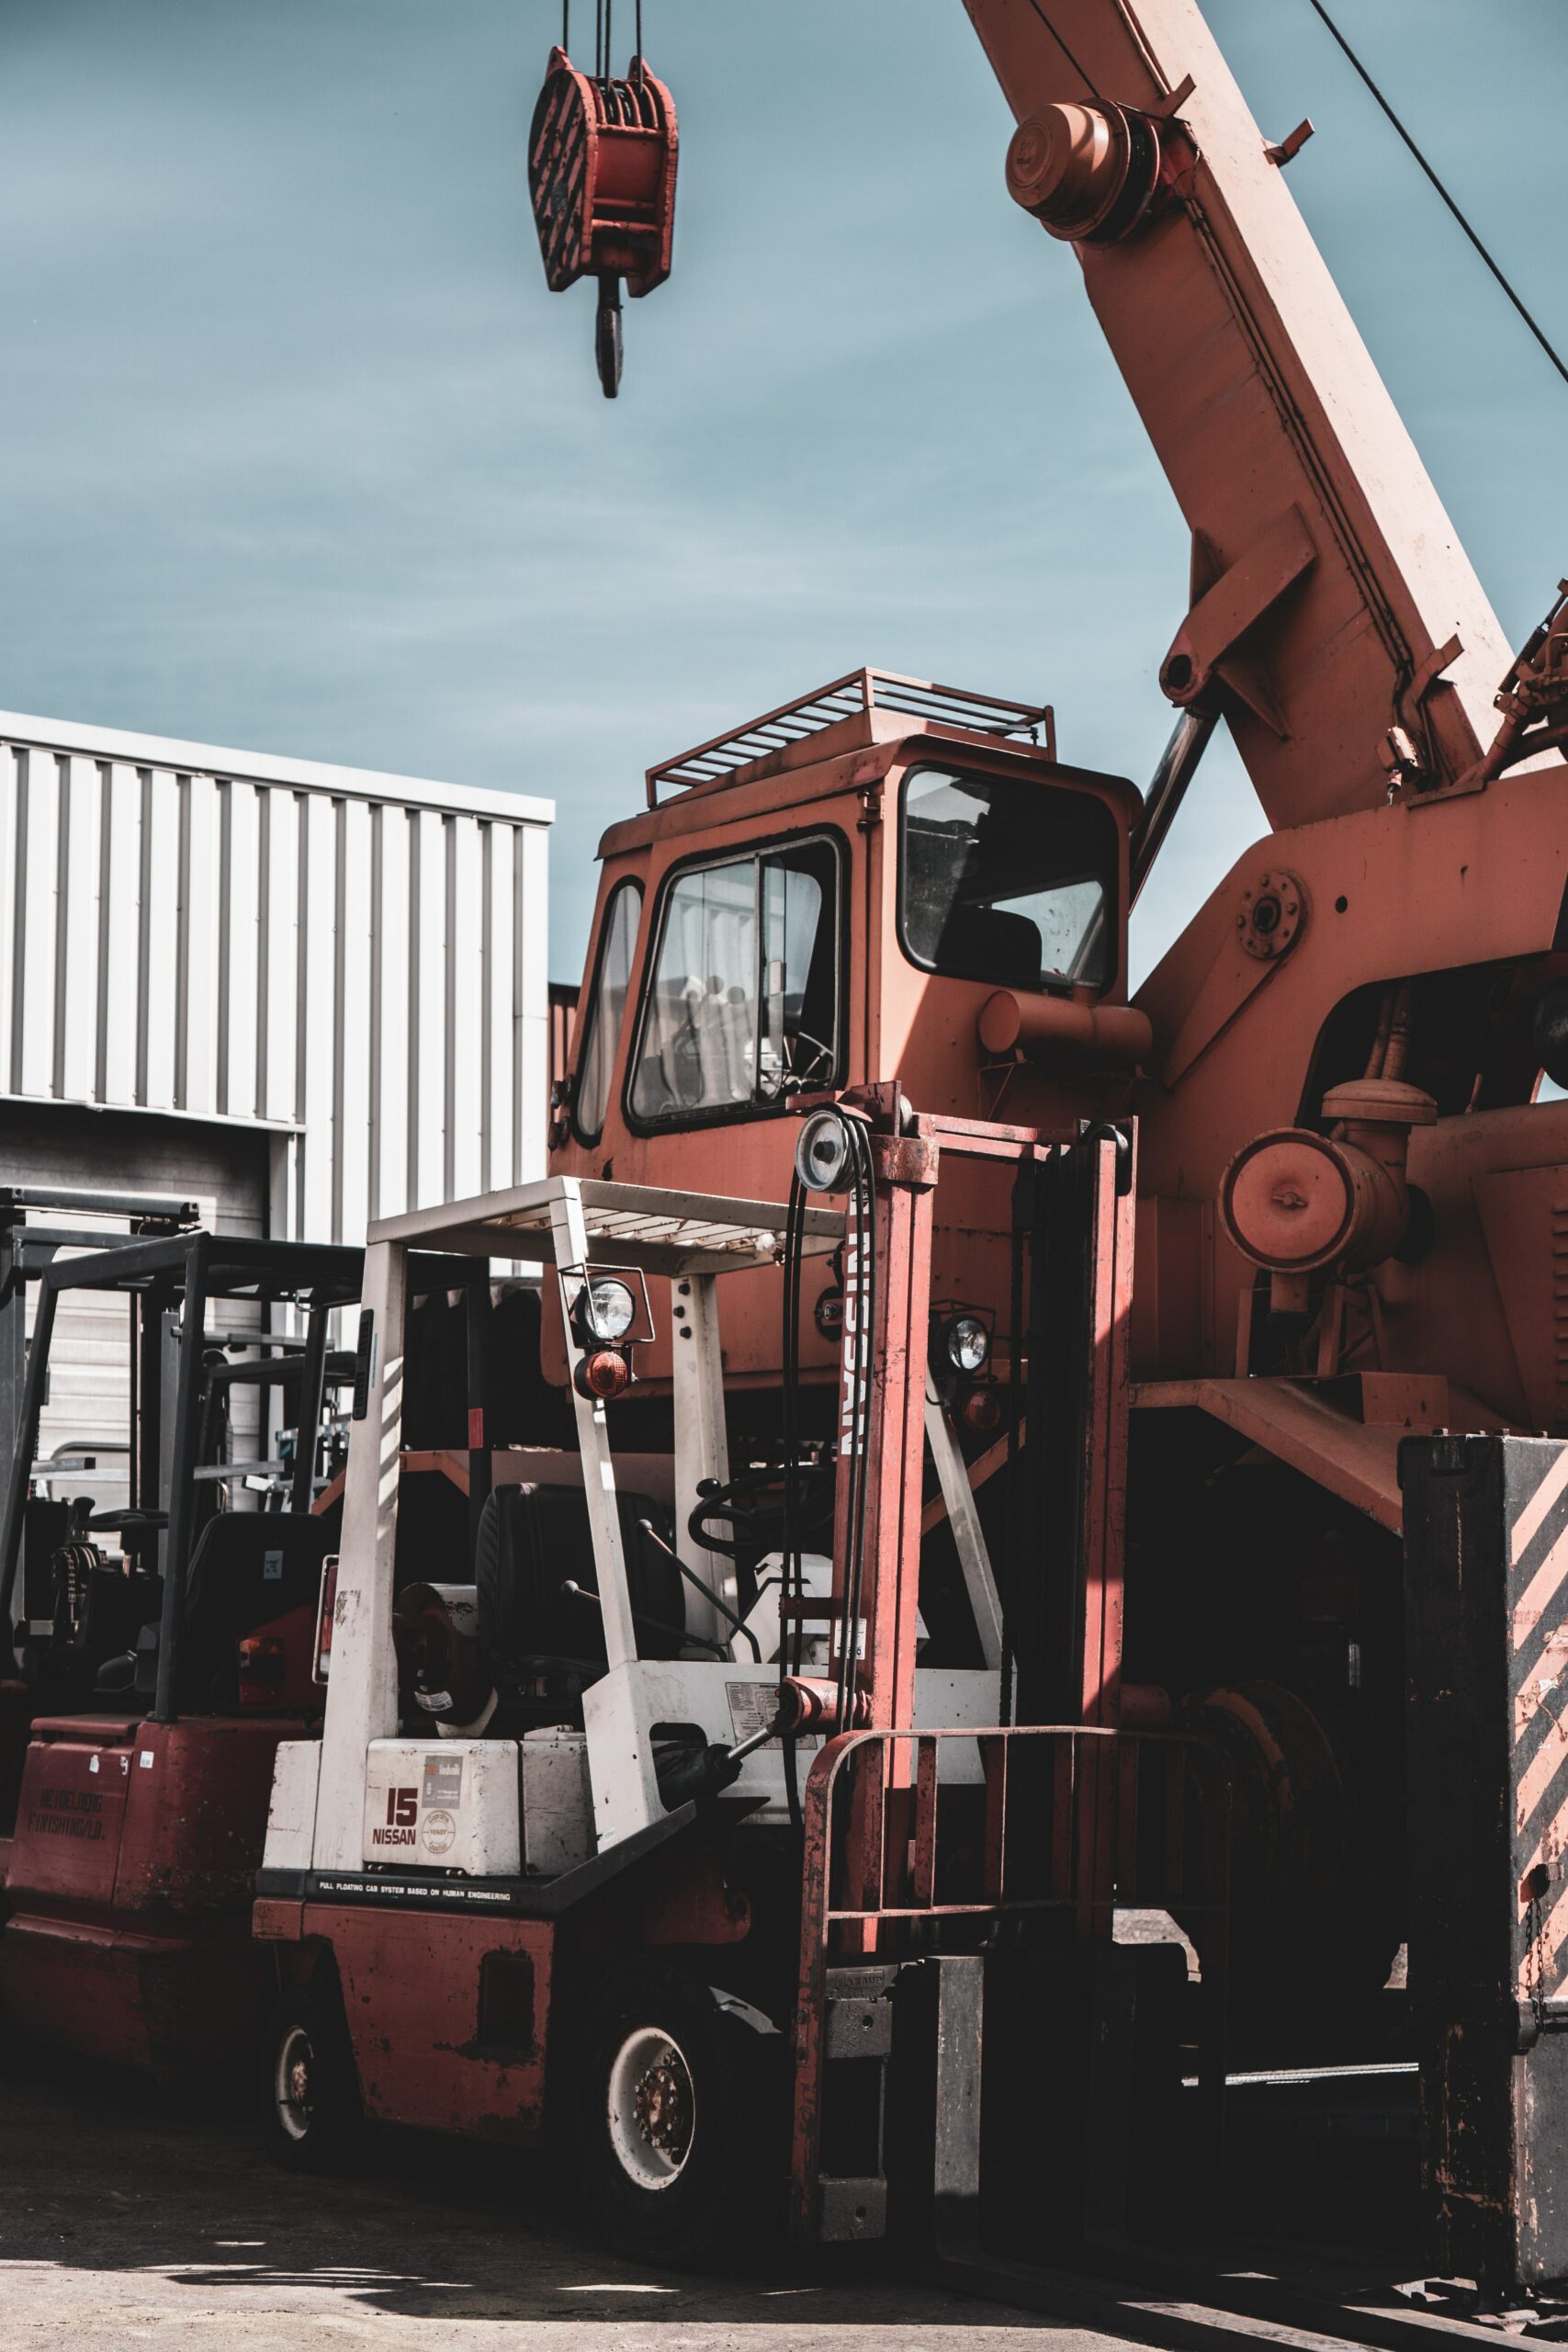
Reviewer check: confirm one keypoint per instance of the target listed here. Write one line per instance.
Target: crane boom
(1336, 617)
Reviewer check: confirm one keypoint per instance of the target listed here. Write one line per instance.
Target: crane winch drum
(601, 179)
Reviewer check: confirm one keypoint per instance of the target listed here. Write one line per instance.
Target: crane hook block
(602, 177)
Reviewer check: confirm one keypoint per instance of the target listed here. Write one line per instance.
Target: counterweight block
(1486, 1602)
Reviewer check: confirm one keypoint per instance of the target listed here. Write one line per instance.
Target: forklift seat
(98, 1612)
(533, 1539)
(248, 1568)
(993, 941)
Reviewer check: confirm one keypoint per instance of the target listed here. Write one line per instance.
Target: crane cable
(1320, 11)
(1062, 45)
(603, 18)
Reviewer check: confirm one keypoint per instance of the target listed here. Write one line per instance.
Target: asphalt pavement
(128, 2218)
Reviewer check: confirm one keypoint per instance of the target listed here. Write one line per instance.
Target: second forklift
(163, 1648)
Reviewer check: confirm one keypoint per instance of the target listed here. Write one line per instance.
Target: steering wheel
(800, 1069)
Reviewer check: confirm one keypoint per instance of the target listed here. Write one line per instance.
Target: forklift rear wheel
(310, 2113)
(671, 2117)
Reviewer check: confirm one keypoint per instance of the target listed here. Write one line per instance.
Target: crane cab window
(601, 1016)
(741, 1009)
(1009, 880)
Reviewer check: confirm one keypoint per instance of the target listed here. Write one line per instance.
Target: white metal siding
(354, 961)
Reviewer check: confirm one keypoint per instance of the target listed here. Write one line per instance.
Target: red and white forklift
(675, 1833)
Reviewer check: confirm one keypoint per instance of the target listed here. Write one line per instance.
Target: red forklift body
(135, 1848)
(128, 1869)
(449, 2016)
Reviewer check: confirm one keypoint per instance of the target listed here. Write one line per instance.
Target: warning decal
(443, 1780)
(752, 1706)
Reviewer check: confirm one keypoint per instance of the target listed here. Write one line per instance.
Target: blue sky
(296, 452)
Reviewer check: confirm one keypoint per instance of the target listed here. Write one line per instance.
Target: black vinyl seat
(1005, 947)
(247, 1568)
(533, 1539)
(99, 1613)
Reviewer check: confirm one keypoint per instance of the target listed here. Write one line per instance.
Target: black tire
(678, 2118)
(311, 2117)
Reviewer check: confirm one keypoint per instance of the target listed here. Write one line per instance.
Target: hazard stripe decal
(1542, 1589)
(1529, 1522)
(1536, 1603)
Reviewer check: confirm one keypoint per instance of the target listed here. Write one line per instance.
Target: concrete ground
(125, 2220)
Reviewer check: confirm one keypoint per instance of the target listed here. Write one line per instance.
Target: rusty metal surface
(414, 1997)
(601, 158)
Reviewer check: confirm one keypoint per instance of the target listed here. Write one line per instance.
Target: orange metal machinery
(1352, 1190)
(810, 794)
(602, 177)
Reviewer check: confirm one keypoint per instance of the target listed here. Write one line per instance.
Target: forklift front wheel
(671, 2117)
(310, 2113)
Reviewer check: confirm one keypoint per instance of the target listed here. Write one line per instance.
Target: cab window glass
(606, 1003)
(1009, 880)
(741, 1009)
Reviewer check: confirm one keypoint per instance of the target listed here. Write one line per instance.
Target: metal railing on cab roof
(858, 692)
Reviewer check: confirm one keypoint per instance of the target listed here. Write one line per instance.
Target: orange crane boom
(1331, 597)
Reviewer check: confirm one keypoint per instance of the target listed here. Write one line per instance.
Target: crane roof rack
(859, 691)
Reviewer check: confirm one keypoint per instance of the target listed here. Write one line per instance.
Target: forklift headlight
(966, 1344)
(608, 1309)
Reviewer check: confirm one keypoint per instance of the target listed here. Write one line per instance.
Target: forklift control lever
(697, 1585)
(656, 1624)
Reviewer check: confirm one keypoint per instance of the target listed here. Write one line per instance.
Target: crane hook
(607, 334)
(602, 177)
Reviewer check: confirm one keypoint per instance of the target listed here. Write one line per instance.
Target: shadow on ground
(122, 2203)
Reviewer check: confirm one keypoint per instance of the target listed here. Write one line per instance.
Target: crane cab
(884, 880)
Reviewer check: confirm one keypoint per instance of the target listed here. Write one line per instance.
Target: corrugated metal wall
(353, 961)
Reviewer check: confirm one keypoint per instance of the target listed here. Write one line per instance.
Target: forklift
(160, 1649)
(731, 1850)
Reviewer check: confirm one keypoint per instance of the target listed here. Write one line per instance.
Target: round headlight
(608, 1309)
(968, 1343)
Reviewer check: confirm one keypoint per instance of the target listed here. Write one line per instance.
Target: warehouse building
(299, 996)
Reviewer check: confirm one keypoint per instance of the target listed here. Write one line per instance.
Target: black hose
(1023, 1202)
(849, 1454)
(792, 1575)
(865, 1198)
